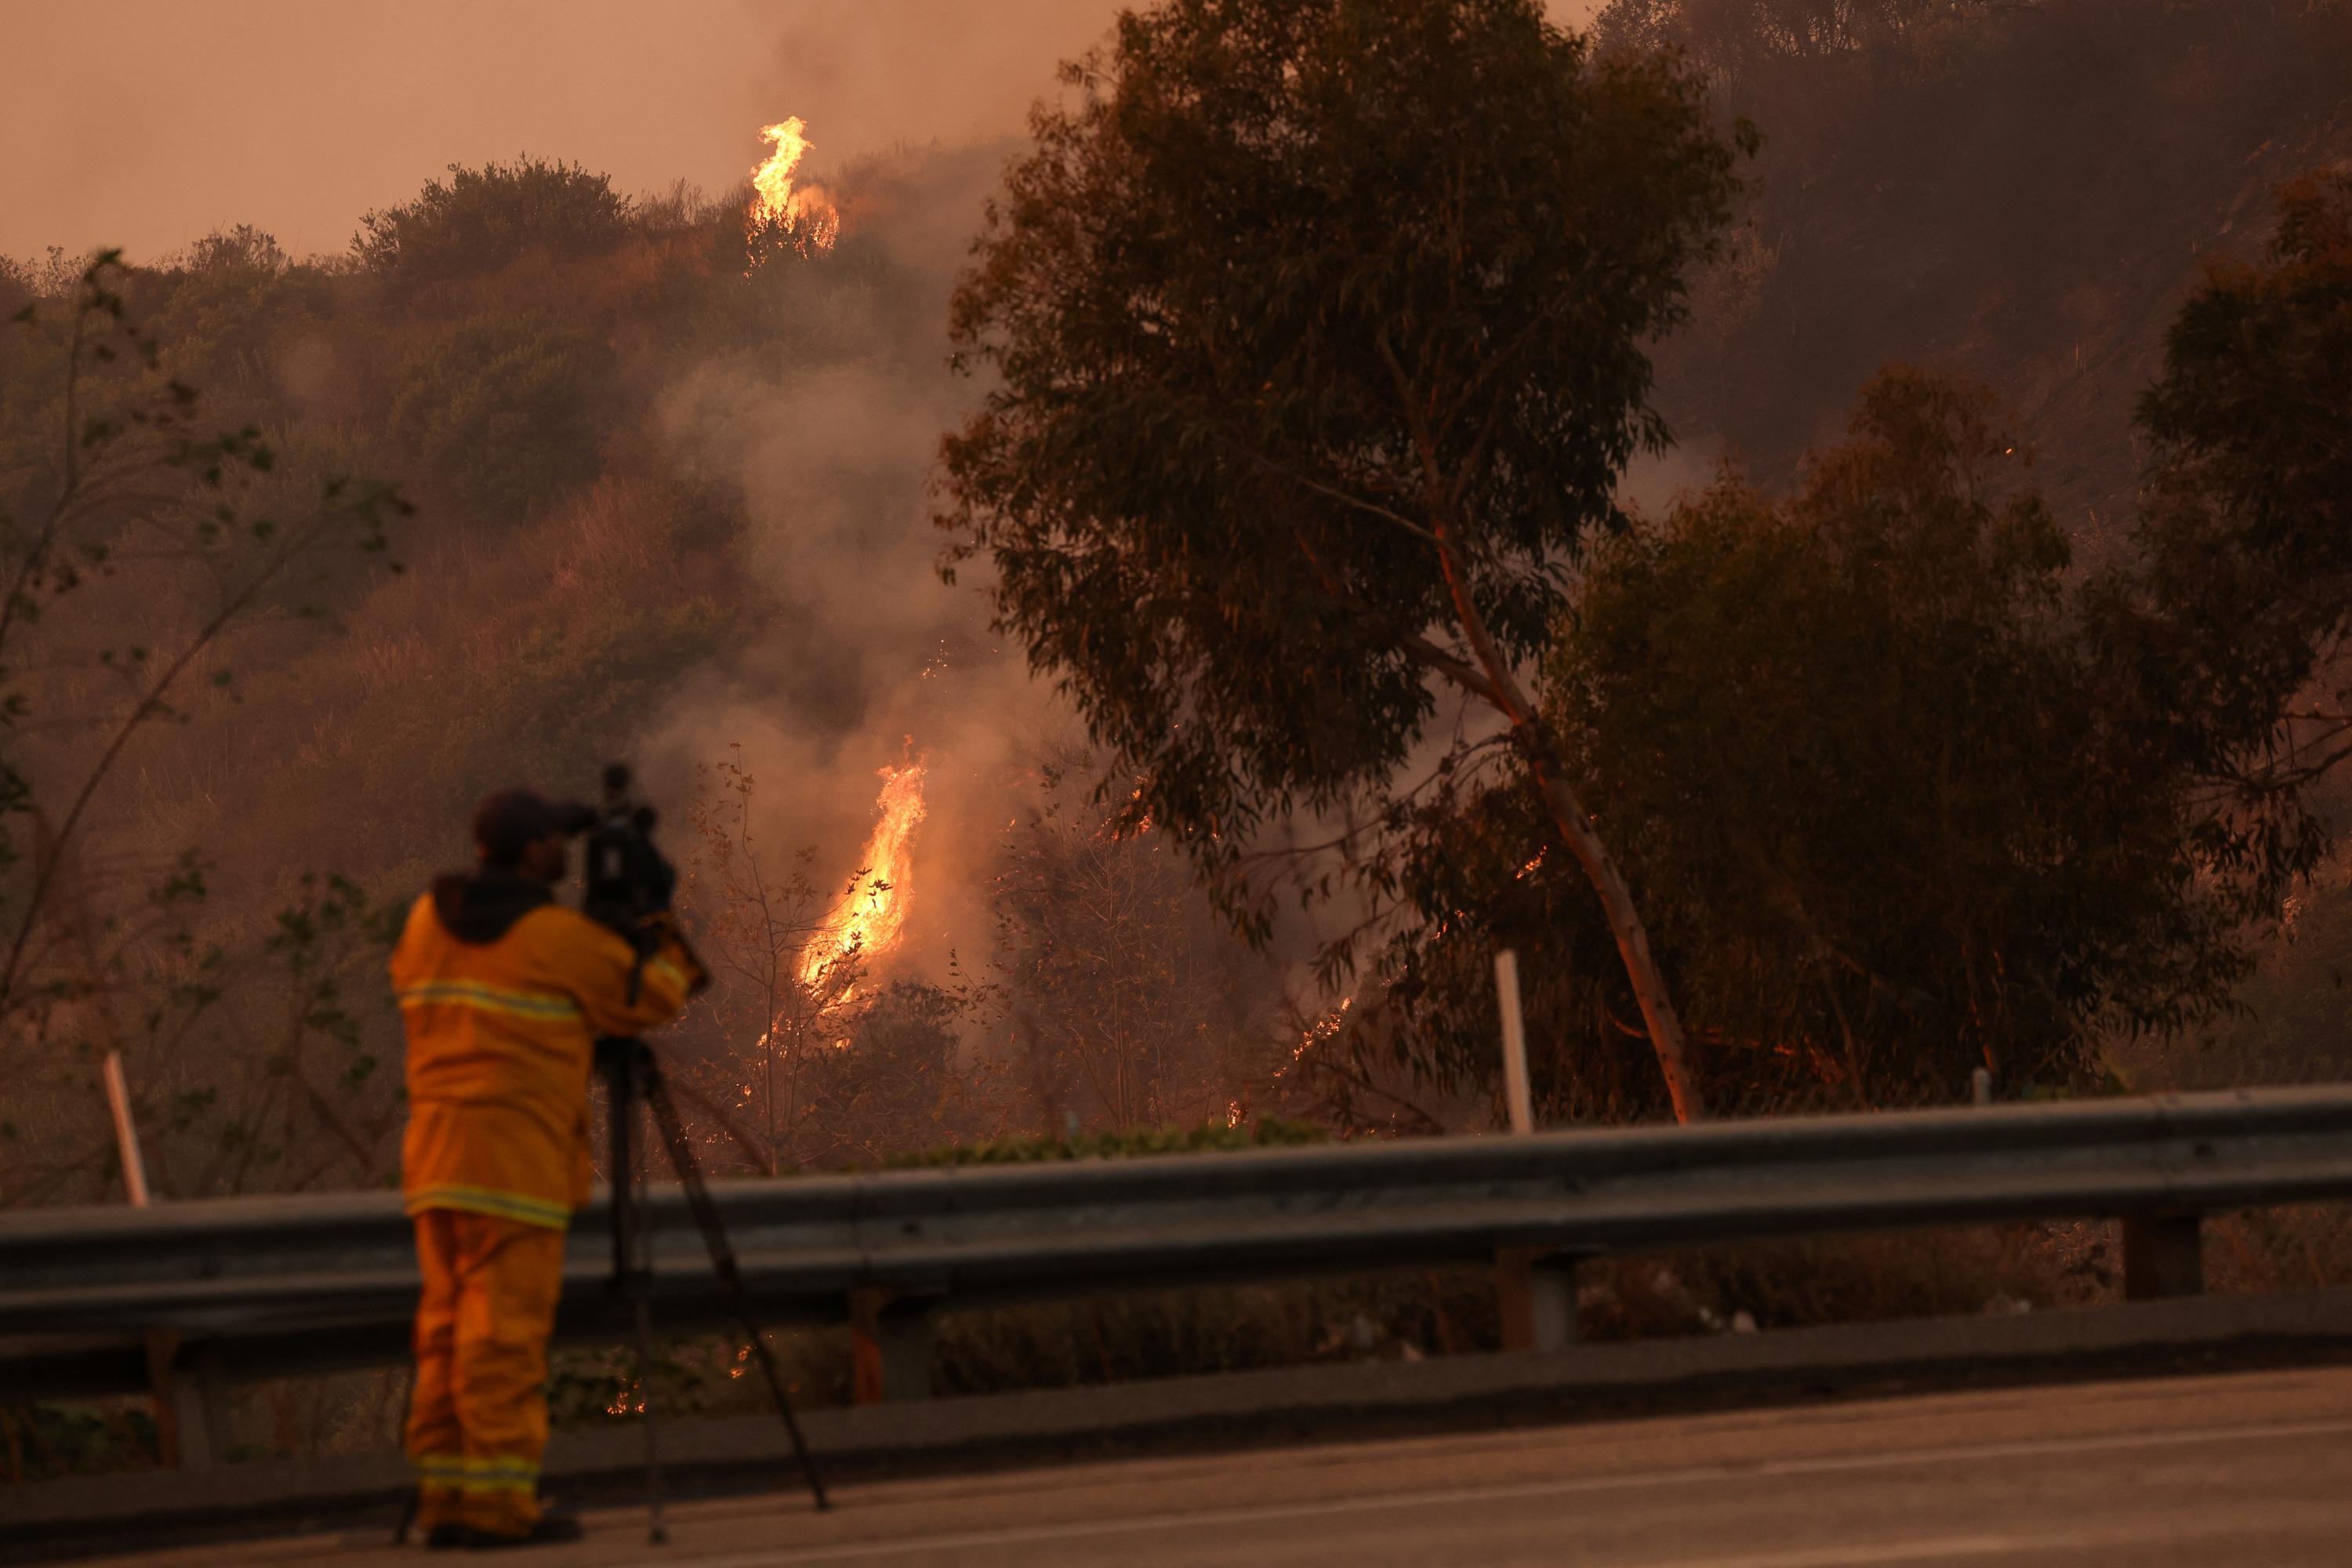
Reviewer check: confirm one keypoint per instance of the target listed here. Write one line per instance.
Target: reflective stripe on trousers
(478, 1419)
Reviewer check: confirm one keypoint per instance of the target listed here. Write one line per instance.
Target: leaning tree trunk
(1575, 825)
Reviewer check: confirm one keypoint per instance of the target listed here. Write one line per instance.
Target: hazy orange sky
(147, 123)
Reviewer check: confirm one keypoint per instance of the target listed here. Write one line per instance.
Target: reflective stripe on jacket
(501, 1039)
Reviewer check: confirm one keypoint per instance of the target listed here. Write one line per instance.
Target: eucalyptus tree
(1316, 336)
(2235, 621)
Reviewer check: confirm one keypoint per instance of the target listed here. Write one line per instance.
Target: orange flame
(1320, 1030)
(866, 921)
(806, 217)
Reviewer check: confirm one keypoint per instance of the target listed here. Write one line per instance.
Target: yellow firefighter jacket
(504, 992)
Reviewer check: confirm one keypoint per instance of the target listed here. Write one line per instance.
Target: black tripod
(632, 1074)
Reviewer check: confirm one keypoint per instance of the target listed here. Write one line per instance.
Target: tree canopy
(1318, 332)
(505, 405)
(1907, 794)
(1727, 36)
(2233, 621)
(1895, 821)
(482, 218)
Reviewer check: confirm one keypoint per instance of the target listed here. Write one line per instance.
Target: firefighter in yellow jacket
(504, 992)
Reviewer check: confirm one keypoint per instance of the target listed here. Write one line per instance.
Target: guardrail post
(2164, 1255)
(1536, 1290)
(191, 1402)
(890, 1345)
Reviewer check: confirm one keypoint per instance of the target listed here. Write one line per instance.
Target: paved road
(2215, 1472)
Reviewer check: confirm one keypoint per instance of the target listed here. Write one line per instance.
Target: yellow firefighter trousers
(478, 1417)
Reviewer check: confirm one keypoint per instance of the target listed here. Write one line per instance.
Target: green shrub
(504, 411)
(44, 1441)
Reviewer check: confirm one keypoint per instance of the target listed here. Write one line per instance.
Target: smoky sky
(148, 123)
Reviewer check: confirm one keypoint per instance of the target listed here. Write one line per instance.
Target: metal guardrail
(269, 1286)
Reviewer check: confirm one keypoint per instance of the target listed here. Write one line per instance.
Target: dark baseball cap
(513, 819)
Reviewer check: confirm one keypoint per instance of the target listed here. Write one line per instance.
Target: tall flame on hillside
(806, 218)
(866, 921)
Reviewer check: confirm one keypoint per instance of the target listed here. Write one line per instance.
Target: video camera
(628, 880)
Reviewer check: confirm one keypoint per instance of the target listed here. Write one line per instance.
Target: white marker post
(126, 1131)
(191, 1402)
(1518, 1099)
(1535, 1288)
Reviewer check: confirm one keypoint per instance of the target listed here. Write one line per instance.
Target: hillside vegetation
(2018, 191)
(2023, 194)
(1966, 688)
(665, 499)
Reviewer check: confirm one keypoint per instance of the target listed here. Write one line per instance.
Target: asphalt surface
(2212, 1471)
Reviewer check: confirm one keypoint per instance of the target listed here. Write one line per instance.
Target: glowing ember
(866, 922)
(805, 218)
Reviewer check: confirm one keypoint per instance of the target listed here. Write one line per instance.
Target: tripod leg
(759, 1339)
(657, 1531)
(620, 1159)
(643, 1272)
(633, 1245)
(723, 1265)
(415, 1503)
